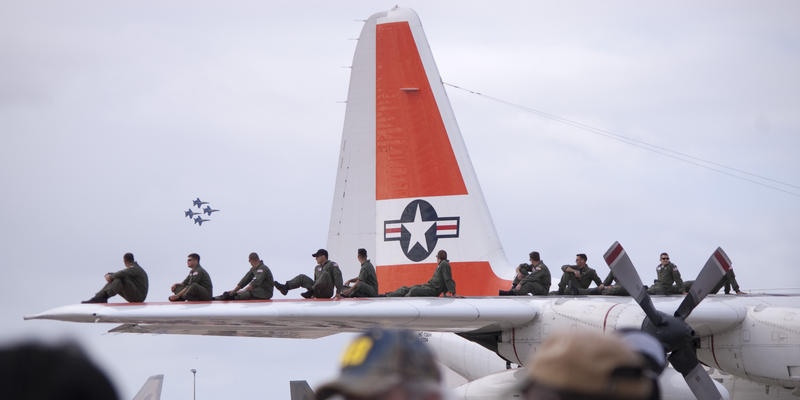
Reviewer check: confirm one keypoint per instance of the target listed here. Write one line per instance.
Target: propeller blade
(623, 269)
(714, 270)
(685, 361)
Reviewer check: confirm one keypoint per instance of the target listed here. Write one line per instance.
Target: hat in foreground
(588, 365)
(380, 361)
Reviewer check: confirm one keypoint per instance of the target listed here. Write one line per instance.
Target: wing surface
(303, 318)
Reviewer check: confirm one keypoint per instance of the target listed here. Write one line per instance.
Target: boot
(307, 294)
(96, 299)
(505, 293)
(225, 296)
(281, 287)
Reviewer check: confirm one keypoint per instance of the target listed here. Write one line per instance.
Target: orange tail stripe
(413, 153)
(472, 278)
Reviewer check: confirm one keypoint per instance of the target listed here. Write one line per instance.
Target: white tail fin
(405, 186)
(151, 390)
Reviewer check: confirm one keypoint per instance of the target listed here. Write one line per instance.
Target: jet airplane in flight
(208, 210)
(190, 213)
(198, 203)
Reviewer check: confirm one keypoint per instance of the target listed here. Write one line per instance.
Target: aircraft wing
(303, 318)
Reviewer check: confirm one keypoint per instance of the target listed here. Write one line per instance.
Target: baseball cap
(590, 364)
(380, 359)
(320, 252)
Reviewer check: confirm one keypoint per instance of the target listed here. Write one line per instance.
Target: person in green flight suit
(535, 283)
(577, 278)
(196, 286)
(257, 283)
(728, 280)
(327, 277)
(669, 278)
(366, 284)
(609, 288)
(522, 271)
(129, 282)
(440, 283)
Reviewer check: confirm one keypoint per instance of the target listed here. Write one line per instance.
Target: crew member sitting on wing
(366, 284)
(130, 283)
(440, 283)
(609, 288)
(667, 275)
(196, 286)
(327, 276)
(535, 283)
(728, 280)
(257, 283)
(577, 278)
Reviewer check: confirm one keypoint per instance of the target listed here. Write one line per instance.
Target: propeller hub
(672, 332)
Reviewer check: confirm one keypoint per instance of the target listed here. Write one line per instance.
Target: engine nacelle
(764, 348)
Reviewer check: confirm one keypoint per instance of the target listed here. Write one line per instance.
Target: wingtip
(71, 313)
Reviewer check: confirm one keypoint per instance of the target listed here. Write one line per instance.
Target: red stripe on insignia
(446, 227)
(722, 261)
(393, 230)
(614, 254)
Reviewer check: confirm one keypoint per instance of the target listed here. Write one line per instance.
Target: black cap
(320, 252)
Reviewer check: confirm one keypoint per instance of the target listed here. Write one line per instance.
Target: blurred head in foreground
(386, 364)
(36, 371)
(588, 366)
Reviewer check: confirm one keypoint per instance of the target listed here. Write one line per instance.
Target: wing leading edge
(303, 318)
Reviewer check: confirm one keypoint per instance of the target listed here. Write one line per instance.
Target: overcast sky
(114, 117)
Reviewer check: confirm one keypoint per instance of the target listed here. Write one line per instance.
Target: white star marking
(417, 230)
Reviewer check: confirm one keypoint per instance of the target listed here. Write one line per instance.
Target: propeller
(677, 337)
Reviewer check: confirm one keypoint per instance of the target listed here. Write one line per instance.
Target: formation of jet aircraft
(197, 215)
(406, 188)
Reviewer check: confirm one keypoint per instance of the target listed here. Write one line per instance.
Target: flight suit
(610, 288)
(536, 283)
(326, 277)
(570, 284)
(525, 270)
(130, 282)
(199, 283)
(260, 279)
(441, 282)
(667, 275)
(728, 280)
(367, 285)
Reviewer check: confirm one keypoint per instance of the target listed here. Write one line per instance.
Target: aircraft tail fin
(300, 390)
(151, 390)
(405, 186)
